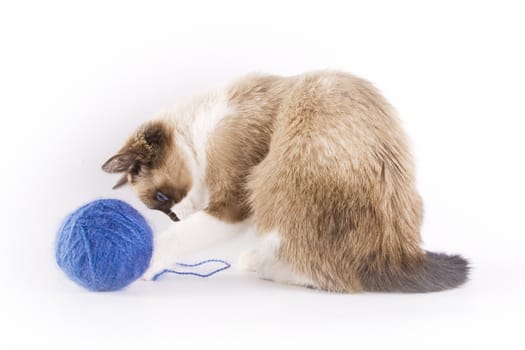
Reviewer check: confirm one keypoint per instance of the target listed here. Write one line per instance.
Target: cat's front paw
(163, 257)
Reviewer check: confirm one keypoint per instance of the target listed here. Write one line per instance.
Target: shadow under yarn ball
(104, 245)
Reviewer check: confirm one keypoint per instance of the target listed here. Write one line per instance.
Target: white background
(76, 79)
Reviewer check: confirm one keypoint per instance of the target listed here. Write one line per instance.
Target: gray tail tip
(444, 271)
(435, 272)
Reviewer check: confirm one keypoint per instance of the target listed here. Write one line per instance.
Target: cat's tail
(435, 272)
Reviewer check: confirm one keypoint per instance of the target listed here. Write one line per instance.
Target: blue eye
(161, 197)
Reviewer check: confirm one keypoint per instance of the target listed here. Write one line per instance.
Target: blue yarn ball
(104, 245)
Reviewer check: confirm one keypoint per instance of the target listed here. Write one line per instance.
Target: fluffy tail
(434, 273)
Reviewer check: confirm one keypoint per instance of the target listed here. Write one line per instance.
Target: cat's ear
(120, 162)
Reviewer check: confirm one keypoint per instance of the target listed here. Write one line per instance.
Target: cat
(317, 163)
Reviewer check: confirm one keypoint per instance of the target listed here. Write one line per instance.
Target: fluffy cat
(317, 162)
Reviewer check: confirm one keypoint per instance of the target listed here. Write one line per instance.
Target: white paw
(268, 270)
(156, 266)
(249, 260)
(277, 271)
(161, 259)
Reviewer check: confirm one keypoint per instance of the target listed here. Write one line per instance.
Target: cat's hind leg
(265, 261)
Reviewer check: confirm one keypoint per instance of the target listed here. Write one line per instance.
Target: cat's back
(324, 99)
(314, 101)
(337, 119)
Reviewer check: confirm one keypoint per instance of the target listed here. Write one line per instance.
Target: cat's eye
(161, 197)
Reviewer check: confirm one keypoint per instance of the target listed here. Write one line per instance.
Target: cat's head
(151, 163)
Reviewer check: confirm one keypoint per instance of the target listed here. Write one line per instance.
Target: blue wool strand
(226, 266)
(104, 245)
